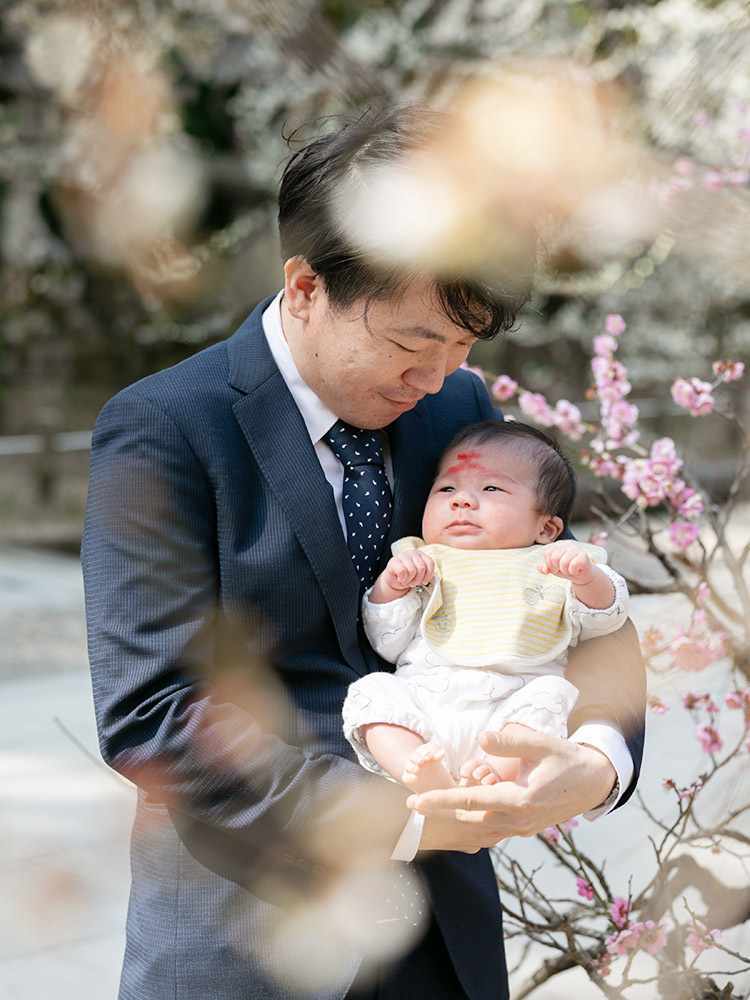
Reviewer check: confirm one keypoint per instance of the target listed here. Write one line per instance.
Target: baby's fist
(403, 573)
(569, 561)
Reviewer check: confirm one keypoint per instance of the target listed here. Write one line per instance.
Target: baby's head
(500, 485)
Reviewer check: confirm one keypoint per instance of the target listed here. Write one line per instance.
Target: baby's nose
(460, 500)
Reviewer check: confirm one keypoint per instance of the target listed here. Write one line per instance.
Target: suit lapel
(278, 438)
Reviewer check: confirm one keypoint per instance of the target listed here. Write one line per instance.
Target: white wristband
(408, 843)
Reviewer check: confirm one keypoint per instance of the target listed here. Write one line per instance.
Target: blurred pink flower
(693, 655)
(474, 369)
(702, 593)
(683, 166)
(735, 699)
(569, 824)
(709, 739)
(619, 911)
(683, 533)
(693, 395)
(551, 835)
(604, 344)
(686, 501)
(692, 700)
(567, 419)
(713, 180)
(699, 939)
(534, 405)
(614, 324)
(729, 371)
(585, 889)
(657, 706)
(653, 937)
(504, 388)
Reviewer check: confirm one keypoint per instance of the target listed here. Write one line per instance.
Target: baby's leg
(407, 757)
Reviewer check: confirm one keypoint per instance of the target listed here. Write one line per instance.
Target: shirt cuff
(408, 843)
(607, 738)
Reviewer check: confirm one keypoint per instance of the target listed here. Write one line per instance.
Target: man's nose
(426, 378)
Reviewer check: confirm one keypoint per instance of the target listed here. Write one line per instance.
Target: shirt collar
(317, 417)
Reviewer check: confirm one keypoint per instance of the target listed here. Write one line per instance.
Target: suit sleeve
(152, 587)
(608, 671)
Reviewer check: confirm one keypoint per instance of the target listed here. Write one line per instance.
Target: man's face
(484, 497)
(369, 369)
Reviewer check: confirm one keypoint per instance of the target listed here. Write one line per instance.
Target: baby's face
(484, 497)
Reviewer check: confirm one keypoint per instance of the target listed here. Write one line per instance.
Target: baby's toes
(426, 753)
(490, 779)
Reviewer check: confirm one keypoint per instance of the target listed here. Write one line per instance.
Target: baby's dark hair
(556, 482)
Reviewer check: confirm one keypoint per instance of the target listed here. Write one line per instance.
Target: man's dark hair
(308, 229)
(556, 480)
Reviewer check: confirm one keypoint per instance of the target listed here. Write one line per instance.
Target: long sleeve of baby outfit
(588, 623)
(390, 627)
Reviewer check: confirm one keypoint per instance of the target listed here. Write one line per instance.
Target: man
(221, 488)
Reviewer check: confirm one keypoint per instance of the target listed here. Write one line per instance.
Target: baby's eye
(446, 489)
(495, 489)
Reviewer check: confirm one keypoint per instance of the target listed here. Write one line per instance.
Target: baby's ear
(549, 530)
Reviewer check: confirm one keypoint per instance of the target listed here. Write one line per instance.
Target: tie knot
(354, 446)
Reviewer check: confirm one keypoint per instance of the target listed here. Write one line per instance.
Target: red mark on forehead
(467, 460)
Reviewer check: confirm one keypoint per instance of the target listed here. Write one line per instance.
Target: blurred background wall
(212, 88)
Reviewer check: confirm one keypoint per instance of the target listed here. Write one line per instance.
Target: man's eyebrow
(419, 331)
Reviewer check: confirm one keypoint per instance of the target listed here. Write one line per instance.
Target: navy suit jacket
(207, 501)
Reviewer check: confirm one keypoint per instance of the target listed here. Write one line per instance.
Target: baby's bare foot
(477, 771)
(426, 769)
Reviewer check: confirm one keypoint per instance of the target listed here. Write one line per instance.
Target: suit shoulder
(462, 400)
(188, 386)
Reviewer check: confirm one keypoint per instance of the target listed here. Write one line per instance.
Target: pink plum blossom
(604, 345)
(585, 889)
(569, 824)
(693, 655)
(504, 388)
(657, 706)
(686, 501)
(694, 395)
(474, 369)
(682, 534)
(551, 835)
(619, 911)
(535, 406)
(729, 371)
(735, 699)
(567, 419)
(699, 939)
(614, 324)
(653, 937)
(709, 738)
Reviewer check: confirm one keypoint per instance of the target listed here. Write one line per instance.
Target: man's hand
(403, 572)
(558, 780)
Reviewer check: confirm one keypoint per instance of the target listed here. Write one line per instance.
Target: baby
(479, 614)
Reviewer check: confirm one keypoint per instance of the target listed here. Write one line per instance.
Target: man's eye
(408, 350)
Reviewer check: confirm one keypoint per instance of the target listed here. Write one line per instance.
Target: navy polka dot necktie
(367, 500)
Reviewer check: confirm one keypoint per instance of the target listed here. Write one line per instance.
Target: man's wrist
(602, 765)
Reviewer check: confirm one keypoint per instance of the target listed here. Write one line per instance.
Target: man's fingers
(514, 740)
(470, 803)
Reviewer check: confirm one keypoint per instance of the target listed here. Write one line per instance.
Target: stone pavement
(65, 818)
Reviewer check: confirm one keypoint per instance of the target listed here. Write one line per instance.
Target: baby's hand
(569, 561)
(403, 572)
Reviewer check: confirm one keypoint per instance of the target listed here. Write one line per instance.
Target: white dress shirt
(602, 735)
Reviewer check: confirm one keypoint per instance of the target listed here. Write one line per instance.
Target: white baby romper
(486, 643)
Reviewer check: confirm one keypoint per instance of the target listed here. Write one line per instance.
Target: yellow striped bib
(493, 606)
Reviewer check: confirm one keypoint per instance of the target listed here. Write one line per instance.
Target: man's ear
(301, 285)
(550, 528)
